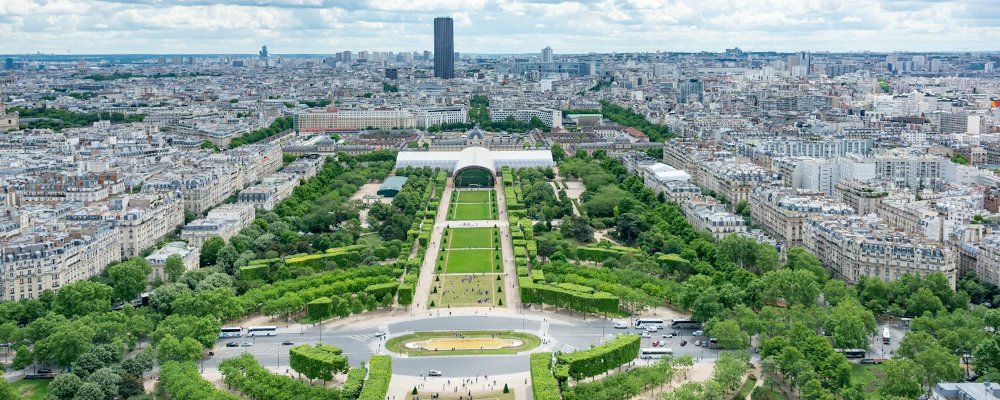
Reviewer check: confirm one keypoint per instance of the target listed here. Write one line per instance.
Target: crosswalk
(364, 338)
(567, 348)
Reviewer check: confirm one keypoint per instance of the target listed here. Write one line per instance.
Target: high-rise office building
(805, 60)
(263, 54)
(444, 48)
(547, 54)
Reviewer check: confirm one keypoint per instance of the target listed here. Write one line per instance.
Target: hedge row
(355, 380)
(329, 283)
(539, 293)
(320, 309)
(543, 385)
(379, 374)
(255, 382)
(622, 386)
(182, 381)
(597, 360)
(321, 361)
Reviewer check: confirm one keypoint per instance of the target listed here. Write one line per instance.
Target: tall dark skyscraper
(444, 48)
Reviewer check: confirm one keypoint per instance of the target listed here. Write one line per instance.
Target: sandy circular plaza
(438, 344)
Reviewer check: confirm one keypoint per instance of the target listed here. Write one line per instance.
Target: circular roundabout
(454, 343)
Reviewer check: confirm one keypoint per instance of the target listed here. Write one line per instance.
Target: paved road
(359, 344)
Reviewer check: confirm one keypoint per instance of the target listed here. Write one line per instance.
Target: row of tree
(600, 359)
(245, 374)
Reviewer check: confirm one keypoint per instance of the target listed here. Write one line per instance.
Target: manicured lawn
(468, 238)
(398, 344)
(474, 196)
(470, 261)
(35, 389)
(462, 290)
(471, 212)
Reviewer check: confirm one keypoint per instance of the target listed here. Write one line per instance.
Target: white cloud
(495, 26)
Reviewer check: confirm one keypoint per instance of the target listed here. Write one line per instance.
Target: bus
(684, 324)
(852, 353)
(886, 339)
(262, 331)
(230, 332)
(649, 353)
(641, 323)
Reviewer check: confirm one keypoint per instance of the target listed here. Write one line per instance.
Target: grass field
(469, 205)
(471, 262)
(497, 395)
(33, 389)
(461, 290)
(866, 374)
(398, 343)
(471, 238)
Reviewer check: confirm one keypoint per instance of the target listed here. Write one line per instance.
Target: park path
(423, 290)
(513, 299)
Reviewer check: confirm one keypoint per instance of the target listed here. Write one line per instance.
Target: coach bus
(262, 331)
(852, 353)
(655, 352)
(230, 332)
(644, 322)
(684, 324)
(886, 339)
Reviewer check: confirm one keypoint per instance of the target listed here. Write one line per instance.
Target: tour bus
(262, 331)
(684, 324)
(230, 332)
(655, 352)
(885, 336)
(641, 323)
(852, 353)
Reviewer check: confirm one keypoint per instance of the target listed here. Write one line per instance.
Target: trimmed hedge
(320, 309)
(379, 374)
(355, 380)
(543, 385)
(597, 360)
(382, 289)
(321, 361)
(537, 293)
(182, 381)
(405, 293)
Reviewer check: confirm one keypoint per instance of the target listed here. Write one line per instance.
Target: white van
(621, 325)
(652, 328)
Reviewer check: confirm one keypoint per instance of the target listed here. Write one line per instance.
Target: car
(434, 372)
(667, 335)
(621, 325)
(44, 371)
(646, 335)
(287, 343)
(698, 333)
(675, 333)
(247, 344)
(697, 343)
(652, 328)
(379, 334)
(232, 344)
(684, 343)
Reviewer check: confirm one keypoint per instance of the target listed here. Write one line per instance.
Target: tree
(902, 378)
(138, 365)
(939, 366)
(835, 291)
(203, 329)
(82, 297)
(923, 300)
(64, 386)
(173, 268)
(792, 286)
(23, 358)
(67, 343)
(558, 154)
(579, 228)
(285, 305)
(128, 278)
(210, 250)
(914, 343)
(630, 226)
(108, 380)
(90, 391)
(172, 349)
(729, 335)
(849, 325)
(163, 297)
(800, 258)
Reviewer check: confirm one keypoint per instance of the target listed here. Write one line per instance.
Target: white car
(698, 333)
(668, 335)
(646, 334)
(379, 334)
(434, 372)
(621, 325)
(652, 328)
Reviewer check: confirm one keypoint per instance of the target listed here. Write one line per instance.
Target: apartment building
(269, 192)
(145, 219)
(856, 246)
(224, 221)
(911, 171)
(781, 211)
(61, 254)
(201, 189)
(158, 259)
(335, 119)
(908, 215)
(862, 197)
(734, 180)
(430, 116)
(708, 214)
(550, 117)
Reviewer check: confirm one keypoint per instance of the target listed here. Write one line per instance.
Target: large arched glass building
(475, 166)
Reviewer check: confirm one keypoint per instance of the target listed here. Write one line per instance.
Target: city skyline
(487, 27)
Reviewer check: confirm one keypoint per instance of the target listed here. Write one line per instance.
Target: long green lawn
(471, 238)
(473, 196)
(471, 261)
(462, 290)
(471, 212)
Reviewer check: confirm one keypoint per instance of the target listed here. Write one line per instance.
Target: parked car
(646, 335)
(698, 333)
(44, 371)
(697, 343)
(684, 343)
(247, 344)
(287, 343)
(675, 333)
(667, 335)
(232, 344)
(434, 372)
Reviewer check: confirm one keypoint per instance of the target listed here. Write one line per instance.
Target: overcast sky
(495, 26)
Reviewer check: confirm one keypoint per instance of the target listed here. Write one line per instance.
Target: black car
(287, 343)
(684, 342)
(44, 371)
(232, 344)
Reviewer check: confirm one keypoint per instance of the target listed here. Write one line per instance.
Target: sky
(495, 26)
